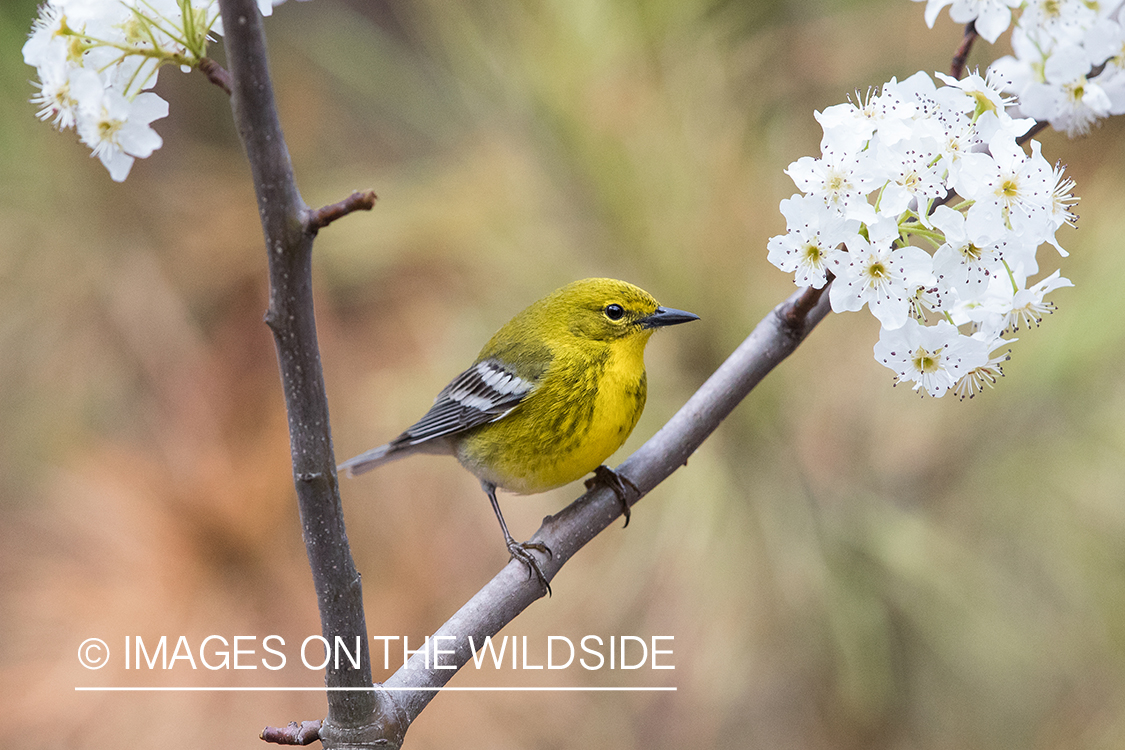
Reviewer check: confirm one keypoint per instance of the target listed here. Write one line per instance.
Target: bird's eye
(614, 312)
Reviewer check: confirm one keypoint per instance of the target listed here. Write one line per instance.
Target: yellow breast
(581, 413)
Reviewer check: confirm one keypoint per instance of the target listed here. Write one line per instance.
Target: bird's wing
(485, 392)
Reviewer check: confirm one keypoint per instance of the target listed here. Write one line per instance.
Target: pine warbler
(553, 394)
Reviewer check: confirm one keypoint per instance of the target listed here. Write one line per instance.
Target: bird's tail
(367, 461)
(400, 447)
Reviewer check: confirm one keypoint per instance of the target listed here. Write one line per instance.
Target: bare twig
(355, 717)
(1036, 129)
(305, 733)
(797, 313)
(957, 66)
(216, 74)
(357, 201)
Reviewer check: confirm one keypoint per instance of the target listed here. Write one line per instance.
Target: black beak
(667, 316)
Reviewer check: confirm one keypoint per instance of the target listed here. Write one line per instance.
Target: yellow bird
(550, 397)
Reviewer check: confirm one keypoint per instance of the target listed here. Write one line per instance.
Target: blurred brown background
(843, 565)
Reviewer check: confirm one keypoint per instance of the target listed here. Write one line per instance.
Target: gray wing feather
(485, 392)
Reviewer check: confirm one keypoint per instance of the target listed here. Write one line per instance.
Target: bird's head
(608, 309)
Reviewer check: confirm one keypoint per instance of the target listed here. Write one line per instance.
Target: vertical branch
(289, 228)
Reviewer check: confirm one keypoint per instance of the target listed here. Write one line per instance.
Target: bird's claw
(619, 483)
(519, 551)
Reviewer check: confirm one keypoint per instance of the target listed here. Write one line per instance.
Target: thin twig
(305, 733)
(360, 200)
(216, 74)
(796, 314)
(1036, 129)
(957, 66)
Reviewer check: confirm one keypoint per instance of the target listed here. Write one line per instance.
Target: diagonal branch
(511, 592)
(961, 56)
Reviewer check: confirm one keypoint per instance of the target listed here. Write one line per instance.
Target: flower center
(75, 47)
(1076, 90)
(926, 362)
(107, 130)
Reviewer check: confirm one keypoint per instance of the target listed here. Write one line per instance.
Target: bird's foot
(620, 484)
(519, 551)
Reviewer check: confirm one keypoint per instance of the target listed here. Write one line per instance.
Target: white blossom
(1066, 98)
(977, 378)
(924, 208)
(965, 263)
(1067, 62)
(811, 246)
(911, 173)
(883, 277)
(839, 179)
(62, 90)
(1007, 185)
(96, 60)
(117, 130)
(992, 16)
(1009, 303)
(1029, 305)
(933, 357)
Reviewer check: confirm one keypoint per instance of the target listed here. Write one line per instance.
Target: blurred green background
(843, 565)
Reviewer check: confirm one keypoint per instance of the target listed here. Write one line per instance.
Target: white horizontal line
(155, 689)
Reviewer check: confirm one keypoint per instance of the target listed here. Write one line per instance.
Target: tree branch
(216, 74)
(511, 592)
(1036, 129)
(957, 66)
(305, 733)
(357, 201)
(354, 716)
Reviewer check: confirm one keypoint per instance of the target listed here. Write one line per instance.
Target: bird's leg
(519, 550)
(619, 483)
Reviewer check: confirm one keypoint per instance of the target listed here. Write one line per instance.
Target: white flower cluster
(1069, 62)
(991, 17)
(96, 60)
(889, 166)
